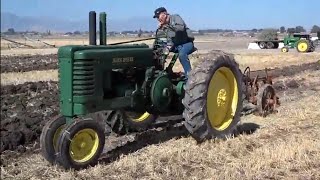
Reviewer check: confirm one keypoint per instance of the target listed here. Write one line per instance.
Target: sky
(201, 14)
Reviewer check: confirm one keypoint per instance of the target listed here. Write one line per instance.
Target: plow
(136, 84)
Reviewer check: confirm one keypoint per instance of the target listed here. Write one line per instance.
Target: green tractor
(302, 42)
(133, 82)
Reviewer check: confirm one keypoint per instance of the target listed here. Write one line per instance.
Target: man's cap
(158, 11)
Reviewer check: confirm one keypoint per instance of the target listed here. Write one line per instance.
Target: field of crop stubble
(281, 146)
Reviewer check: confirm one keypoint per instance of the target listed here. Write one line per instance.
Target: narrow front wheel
(49, 138)
(81, 144)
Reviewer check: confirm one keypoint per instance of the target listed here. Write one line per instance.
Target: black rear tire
(197, 119)
(270, 45)
(262, 45)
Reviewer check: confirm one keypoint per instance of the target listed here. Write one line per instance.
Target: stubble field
(284, 145)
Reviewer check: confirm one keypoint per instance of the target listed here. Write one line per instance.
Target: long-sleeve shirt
(177, 31)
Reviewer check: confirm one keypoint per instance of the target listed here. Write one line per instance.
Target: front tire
(213, 98)
(49, 138)
(81, 144)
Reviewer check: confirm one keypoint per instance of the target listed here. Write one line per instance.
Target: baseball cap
(158, 11)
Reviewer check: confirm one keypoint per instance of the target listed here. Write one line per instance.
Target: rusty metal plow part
(259, 96)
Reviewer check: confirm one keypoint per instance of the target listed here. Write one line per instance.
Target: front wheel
(284, 49)
(49, 138)
(213, 98)
(81, 144)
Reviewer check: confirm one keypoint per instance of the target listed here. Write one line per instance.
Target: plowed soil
(28, 63)
(24, 110)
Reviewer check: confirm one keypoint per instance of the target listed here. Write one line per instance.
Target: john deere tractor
(302, 42)
(136, 80)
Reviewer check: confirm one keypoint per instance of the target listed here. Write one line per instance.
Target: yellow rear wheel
(138, 121)
(138, 117)
(303, 46)
(222, 98)
(122, 122)
(81, 144)
(213, 98)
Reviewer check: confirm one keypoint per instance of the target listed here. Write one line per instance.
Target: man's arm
(178, 24)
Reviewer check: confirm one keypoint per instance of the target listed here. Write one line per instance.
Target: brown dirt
(28, 63)
(24, 110)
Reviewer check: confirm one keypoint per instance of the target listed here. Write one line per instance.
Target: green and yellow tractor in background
(302, 42)
(135, 83)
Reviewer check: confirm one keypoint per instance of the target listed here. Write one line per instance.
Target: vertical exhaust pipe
(103, 28)
(92, 28)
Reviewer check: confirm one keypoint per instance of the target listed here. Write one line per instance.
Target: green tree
(315, 29)
(11, 31)
(300, 29)
(282, 29)
(268, 34)
(291, 30)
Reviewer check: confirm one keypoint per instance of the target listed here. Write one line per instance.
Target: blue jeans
(184, 50)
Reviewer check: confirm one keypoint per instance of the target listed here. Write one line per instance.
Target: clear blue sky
(240, 14)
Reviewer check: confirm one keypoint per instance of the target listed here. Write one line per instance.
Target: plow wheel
(213, 98)
(266, 100)
(303, 46)
(81, 144)
(284, 49)
(49, 137)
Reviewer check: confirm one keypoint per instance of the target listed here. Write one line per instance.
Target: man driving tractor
(179, 36)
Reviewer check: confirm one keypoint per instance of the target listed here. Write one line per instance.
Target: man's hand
(160, 25)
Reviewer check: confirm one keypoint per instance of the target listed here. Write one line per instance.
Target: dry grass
(285, 146)
(30, 76)
(258, 61)
(19, 52)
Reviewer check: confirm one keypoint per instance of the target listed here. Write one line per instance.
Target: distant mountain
(42, 24)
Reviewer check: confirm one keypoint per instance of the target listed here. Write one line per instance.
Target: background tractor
(302, 42)
(136, 85)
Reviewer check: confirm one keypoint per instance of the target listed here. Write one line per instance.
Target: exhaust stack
(103, 28)
(92, 28)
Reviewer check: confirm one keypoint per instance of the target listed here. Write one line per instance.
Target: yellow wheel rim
(56, 136)
(222, 98)
(284, 50)
(138, 117)
(84, 145)
(302, 46)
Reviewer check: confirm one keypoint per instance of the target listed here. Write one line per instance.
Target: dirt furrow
(24, 110)
(28, 63)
